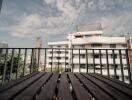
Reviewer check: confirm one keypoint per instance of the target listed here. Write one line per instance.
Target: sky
(21, 20)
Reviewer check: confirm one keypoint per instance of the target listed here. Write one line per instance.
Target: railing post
(12, 62)
(25, 57)
(45, 60)
(32, 58)
(93, 61)
(107, 61)
(87, 60)
(122, 73)
(113, 53)
(52, 60)
(1, 53)
(79, 61)
(38, 58)
(65, 60)
(100, 57)
(18, 64)
(5, 67)
(128, 66)
(58, 60)
(72, 61)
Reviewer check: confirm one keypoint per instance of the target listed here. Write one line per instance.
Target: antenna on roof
(76, 28)
(100, 26)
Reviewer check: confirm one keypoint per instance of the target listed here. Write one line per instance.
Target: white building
(89, 40)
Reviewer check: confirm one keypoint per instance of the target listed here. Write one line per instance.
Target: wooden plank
(119, 87)
(13, 83)
(10, 93)
(48, 91)
(107, 88)
(80, 92)
(32, 90)
(115, 81)
(96, 91)
(64, 88)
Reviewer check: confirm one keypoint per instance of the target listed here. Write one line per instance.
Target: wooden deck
(65, 86)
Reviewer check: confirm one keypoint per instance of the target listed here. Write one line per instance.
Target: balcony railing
(18, 62)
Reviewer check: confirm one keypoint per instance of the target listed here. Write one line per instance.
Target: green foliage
(9, 60)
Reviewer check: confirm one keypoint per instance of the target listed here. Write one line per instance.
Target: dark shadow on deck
(65, 86)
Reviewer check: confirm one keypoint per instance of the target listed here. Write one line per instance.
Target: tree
(9, 61)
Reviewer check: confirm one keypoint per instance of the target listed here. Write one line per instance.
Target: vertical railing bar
(93, 61)
(32, 56)
(18, 64)
(45, 60)
(52, 61)
(38, 57)
(1, 53)
(12, 63)
(79, 61)
(58, 58)
(87, 60)
(115, 74)
(122, 72)
(100, 57)
(128, 66)
(25, 57)
(5, 67)
(65, 60)
(107, 62)
(72, 61)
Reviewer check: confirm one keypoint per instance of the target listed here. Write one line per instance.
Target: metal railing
(18, 62)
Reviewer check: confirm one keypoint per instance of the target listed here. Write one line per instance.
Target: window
(96, 45)
(114, 66)
(66, 46)
(50, 57)
(124, 45)
(113, 55)
(59, 52)
(50, 63)
(112, 45)
(78, 36)
(50, 52)
(58, 57)
(82, 66)
(66, 52)
(66, 57)
(96, 55)
(82, 46)
(82, 56)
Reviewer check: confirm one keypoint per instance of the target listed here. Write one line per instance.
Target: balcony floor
(65, 86)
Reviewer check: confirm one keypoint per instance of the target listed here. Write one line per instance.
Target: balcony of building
(42, 74)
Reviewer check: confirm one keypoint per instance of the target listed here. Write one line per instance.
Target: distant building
(89, 40)
(129, 47)
(3, 45)
(1, 4)
(38, 43)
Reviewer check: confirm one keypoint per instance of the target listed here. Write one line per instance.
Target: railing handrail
(73, 48)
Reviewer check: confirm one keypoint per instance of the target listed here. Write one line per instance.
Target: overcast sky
(20, 20)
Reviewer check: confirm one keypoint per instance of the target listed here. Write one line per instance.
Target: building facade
(75, 56)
